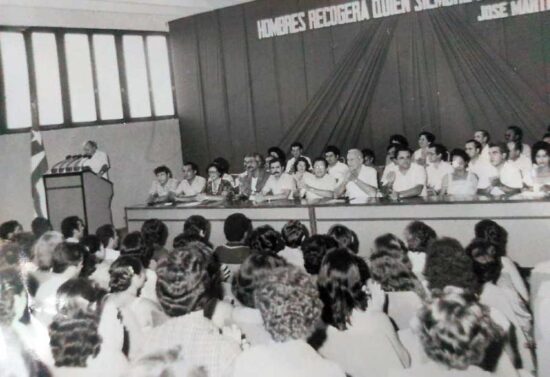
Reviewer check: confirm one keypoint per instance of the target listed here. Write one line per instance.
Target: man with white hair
(98, 161)
(360, 181)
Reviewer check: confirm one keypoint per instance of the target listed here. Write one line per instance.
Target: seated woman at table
(162, 188)
(319, 185)
(302, 169)
(460, 182)
(541, 166)
(216, 187)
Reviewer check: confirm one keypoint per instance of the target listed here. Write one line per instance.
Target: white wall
(135, 149)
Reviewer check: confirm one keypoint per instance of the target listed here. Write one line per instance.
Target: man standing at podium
(98, 161)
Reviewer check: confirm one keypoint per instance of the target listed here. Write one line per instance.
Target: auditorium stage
(527, 220)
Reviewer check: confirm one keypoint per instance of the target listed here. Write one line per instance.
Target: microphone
(57, 167)
(80, 166)
(64, 167)
(72, 165)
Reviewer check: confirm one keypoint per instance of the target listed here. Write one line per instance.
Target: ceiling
(158, 10)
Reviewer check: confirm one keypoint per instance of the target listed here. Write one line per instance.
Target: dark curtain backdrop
(355, 85)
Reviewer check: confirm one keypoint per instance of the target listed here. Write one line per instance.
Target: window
(15, 76)
(80, 76)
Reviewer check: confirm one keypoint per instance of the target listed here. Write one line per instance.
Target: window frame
(59, 33)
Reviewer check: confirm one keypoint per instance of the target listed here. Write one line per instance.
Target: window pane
(136, 74)
(108, 81)
(16, 80)
(81, 84)
(161, 82)
(48, 85)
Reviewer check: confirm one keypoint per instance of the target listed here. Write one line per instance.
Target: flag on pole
(39, 166)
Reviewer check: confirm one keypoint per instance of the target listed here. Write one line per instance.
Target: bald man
(360, 182)
(98, 161)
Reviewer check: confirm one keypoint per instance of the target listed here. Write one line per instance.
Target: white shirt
(293, 256)
(387, 169)
(510, 175)
(484, 155)
(325, 183)
(416, 175)
(276, 186)
(525, 166)
(338, 171)
(526, 151)
(193, 188)
(163, 190)
(367, 175)
(436, 173)
(290, 163)
(483, 170)
(96, 162)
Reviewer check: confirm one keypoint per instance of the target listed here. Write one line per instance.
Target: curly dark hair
(188, 236)
(154, 232)
(421, 235)
(314, 250)
(67, 254)
(491, 231)
(197, 224)
(487, 264)
(345, 236)
(340, 287)
(122, 271)
(134, 245)
(8, 228)
(390, 242)
(448, 264)
(265, 239)
(244, 281)
(294, 232)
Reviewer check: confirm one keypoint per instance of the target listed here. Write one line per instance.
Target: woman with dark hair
(510, 277)
(155, 234)
(319, 185)
(199, 225)
(224, 168)
(86, 339)
(461, 182)
(294, 233)
(541, 166)
(314, 250)
(418, 236)
(390, 266)
(216, 188)
(352, 319)
(133, 245)
(398, 139)
(425, 141)
(302, 170)
(264, 239)
(15, 313)
(487, 268)
(346, 237)
(278, 153)
(9, 229)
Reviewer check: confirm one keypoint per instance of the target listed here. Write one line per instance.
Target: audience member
(314, 250)
(40, 225)
(43, 255)
(294, 233)
(520, 161)
(540, 174)
(73, 229)
(108, 237)
(163, 187)
(236, 228)
(192, 184)
(425, 140)
(264, 239)
(8, 230)
(296, 150)
(346, 237)
(483, 138)
(461, 182)
(515, 134)
(418, 236)
(507, 180)
(155, 234)
(437, 167)
(479, 165)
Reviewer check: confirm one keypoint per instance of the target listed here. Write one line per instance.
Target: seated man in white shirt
(360, 181)
(73, 229)
(109, 241)
(279, 185)
(336, 169)
(296, 151)
(162, 188)
(437, 167)
(514, 133)
(520, 161)
(408, 180)
(479, 166)
(191, 185)
(320, 184)
(508, 180)
(483, 138)
(98, 161)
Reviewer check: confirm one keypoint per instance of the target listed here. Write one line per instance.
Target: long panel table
(527, 221)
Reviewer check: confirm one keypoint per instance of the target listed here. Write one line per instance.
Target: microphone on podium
(64, 167)
(57, 167)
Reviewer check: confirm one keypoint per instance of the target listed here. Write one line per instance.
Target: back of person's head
(345, 236)
(134, 245)
(265, 239)
(419, 236)
(494, 233)
(105, 233)
(223, 165)
(69, 225)
(40, 225)
(122, 271)
(198, 224)
(74, 335)
(10, 254)
(237, 227)
(245, 279)
(487, 263)
(391, 267)
(8, 229)
(391, 244)
(154, 232)
(294, 233)
(398, 139)
(448, 264)
(340, 283)
(184, 282)
(11, 287)
(189, 236)
(289, 303)
(43, 249)
(314, 249)
(92, 245)
(25, 240)
(457, 331)
(67, 254)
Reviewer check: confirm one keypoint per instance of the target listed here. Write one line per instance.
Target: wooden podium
(83, 194)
